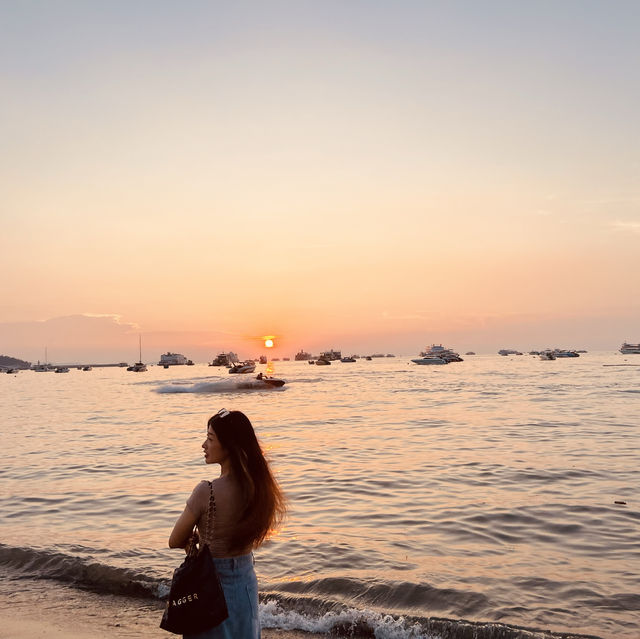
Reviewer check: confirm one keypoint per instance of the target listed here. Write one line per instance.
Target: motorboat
(225, 359)
(348, 359)
(562, 353)
(630, 349)
(12, 371)
(469, 353)
(321, 361)
(311, 361)
(270, 381)
(547, 355)
(172, 359)
(430, 360)
(263, 359)
(508, 351)
(243, 367)
(62, 369)
(87, 368)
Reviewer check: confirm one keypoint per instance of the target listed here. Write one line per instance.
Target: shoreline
(47, 609)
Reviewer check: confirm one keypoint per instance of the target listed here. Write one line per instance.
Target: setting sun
(268, 343)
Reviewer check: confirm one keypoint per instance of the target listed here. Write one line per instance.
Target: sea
(497, 497)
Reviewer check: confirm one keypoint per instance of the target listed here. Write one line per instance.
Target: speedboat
(321, 361)
(86, 368)
(270, 381)
(243, 367)
(348, 359)
(429, 359)
(62, 369)
(560, 353)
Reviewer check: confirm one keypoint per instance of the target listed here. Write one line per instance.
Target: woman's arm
(182, 529)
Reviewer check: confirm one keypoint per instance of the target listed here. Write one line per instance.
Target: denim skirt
(238, 579)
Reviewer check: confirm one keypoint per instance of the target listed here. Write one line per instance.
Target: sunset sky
(362, 175)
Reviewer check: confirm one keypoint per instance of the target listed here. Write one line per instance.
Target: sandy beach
(39, 609)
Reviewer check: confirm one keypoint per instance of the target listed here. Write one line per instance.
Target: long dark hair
(264, 506)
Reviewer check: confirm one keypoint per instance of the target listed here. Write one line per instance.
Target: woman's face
(214, 453)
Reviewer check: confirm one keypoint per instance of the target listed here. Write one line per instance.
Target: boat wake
(218, 386)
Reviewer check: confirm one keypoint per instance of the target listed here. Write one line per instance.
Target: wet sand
(39, 609)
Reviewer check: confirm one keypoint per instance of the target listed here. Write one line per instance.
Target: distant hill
(13, 362)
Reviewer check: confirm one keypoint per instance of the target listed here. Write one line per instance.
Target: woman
(248, 506)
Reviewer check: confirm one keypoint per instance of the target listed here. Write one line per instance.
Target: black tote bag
(196, 599)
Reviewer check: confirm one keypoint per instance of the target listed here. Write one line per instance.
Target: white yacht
(172, 359)
(630, 349)
(438, 350)
(225, 359)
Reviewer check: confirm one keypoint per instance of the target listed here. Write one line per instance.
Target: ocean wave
(351, 622)
(85, 573)
(303, 607)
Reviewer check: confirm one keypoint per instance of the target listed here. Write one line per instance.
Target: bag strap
(211, 515)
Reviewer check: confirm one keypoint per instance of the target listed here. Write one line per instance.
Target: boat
(224, 359)
(87, 368)
(547, 355)
(243, 367)
(630, 349)
(43, 368)
(273, 382)
(138, 367)
(562, 353)
(172, 359)
(438, 350)
(263, 359)
(311, 361)
(12, 371)
(368, 358)
(321, 361)
(390, 355)
(190, 363)
(430, 360)
(508, 351)
(469, 353)
(348, 359)
(302, 356)
(331, 355)
(62, 369)
(286, 359)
